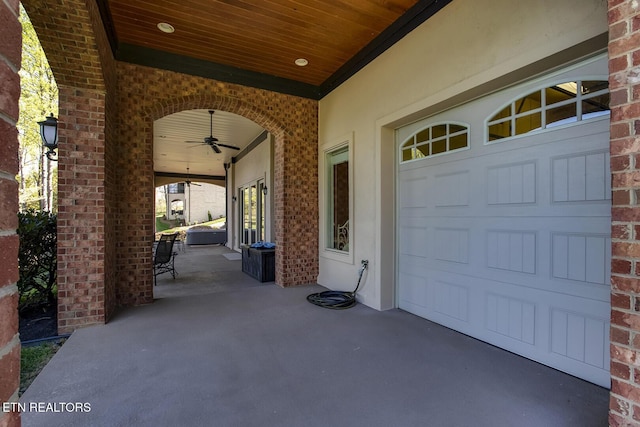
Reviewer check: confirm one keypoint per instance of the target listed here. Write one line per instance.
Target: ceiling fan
(189, 182)
(212, 141)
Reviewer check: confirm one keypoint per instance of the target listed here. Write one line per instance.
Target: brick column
(624, 84)
(10, 53)
(296, 211)
(81, 209)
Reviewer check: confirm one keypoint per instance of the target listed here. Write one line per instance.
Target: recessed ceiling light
(166, 28)
(301, 62)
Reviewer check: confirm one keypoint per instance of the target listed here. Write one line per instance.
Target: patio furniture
(181, 241)
(163, 257)
(259, 263)
(200, 236)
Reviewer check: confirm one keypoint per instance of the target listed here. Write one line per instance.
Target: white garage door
(504, 220)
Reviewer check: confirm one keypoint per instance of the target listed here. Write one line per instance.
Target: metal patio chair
(164, 256)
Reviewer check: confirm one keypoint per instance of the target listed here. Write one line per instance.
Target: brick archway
(237, 106)
(146, 94)
(281, 134)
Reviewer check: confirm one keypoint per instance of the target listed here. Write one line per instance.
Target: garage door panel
(511, 250)
(452, 245)
(553, 261)
(581, 257)
(581, 177)
(413, 291)
(517, 319)
(451, 189)
(509, 241)
(510, 317)
(579, 337)
(414, 192)
(450, 299)
(414, 265)
(524, 316)
(511, 184)
(413, 241)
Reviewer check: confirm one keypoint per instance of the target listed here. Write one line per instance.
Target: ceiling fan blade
(196, 142)
(228, 146)
(215, 148)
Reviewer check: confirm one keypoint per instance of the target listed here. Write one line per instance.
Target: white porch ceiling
(171, 154)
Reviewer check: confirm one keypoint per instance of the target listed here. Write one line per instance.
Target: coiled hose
(338, 300)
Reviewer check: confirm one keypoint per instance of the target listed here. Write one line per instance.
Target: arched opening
(176, 210)
(180, 156)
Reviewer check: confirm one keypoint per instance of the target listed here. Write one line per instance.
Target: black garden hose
(338, 300)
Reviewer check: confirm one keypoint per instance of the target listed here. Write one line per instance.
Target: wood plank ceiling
(256, 42)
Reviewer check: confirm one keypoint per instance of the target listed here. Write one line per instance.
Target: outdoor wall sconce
(264, 190)
(234, 198)
(49, 134)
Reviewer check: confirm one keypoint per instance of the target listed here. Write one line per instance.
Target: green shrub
(37, 258)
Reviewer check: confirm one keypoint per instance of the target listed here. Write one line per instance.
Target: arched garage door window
(434, 140)
(560, 104)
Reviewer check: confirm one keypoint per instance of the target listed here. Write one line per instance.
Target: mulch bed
(38, 322)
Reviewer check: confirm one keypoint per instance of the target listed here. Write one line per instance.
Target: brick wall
(80, 56)
(81, 209)
(105, 239)
(624, 84)
(148, 94)
(10, 54)
(65, 30)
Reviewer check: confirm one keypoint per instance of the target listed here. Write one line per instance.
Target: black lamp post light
(49, 134)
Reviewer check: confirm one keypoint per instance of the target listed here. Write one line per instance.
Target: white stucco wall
(205, 198)
(257, 164)
(466, 45)
(199, 200)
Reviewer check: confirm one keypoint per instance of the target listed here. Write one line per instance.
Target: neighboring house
(475, 164)
(194, 202)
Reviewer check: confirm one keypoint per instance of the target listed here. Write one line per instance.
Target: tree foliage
(38, 98)
(37, 258)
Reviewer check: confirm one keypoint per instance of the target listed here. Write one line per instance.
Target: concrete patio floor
(218, 348)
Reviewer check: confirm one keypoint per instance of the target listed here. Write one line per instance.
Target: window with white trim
(435, 140)
(337, 217)
(560, 104)
(338, 212)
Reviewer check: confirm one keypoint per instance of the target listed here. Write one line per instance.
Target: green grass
(33, 359)
(214, 223)
(161, 225)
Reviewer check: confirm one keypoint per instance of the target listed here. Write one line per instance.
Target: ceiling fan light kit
(212, 141)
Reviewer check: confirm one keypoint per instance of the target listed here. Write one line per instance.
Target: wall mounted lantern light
(265, 190)
(49, 134)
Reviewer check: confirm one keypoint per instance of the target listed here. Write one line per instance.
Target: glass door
(252, 215)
